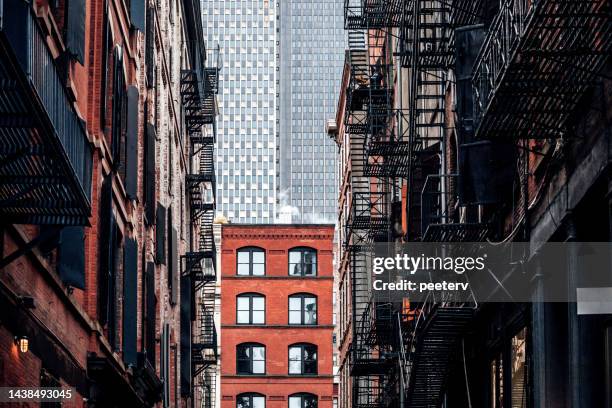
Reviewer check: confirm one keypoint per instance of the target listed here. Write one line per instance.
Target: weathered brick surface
(70, 315)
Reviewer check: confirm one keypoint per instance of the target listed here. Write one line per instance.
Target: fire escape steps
(436, 343)
(199, 91)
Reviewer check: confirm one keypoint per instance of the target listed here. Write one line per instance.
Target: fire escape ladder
(428, 51)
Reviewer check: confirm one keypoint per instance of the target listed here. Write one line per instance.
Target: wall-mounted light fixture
(23, 343)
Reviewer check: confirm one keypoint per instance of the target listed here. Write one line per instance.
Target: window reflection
(303, 262)
(302, 309)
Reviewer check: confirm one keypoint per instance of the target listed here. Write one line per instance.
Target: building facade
(472, 122)
(276, 316)
(247, 160)
(312, 44)
(99, 197)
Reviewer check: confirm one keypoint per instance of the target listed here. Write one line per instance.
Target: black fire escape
(521, 69)
(378, 160)
(45, 154)
(198, 90)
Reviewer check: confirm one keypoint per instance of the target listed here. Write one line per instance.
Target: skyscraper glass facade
(312, 44)
(247, 125)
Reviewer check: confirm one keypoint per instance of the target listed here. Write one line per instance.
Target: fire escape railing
(377, 157)
(199, 89)
(538, 59)
(46, 156)
(363, 14)
(440, 222)
(431, 335)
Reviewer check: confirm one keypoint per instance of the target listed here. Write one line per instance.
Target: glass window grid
(250, 359)
(250, 309)
(302, 309)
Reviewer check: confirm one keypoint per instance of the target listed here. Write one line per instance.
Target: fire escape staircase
(433, 344)
(426, 49)
(199, 89)
(204, 350)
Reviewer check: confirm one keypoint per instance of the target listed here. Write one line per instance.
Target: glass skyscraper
(282, 65)
(247, 124)
(312, 44)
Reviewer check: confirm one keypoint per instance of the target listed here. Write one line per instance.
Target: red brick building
(277, 316)
(101, 198)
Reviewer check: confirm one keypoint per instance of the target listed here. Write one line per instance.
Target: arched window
(302, 309)
(251, 261)
(302, 262)
(250, 400)
(303, 400)
(250, 358)
(250, 308)
(302, 359)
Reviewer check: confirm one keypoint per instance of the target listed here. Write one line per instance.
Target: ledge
(277, 326)
(278, 376)
(300, 278)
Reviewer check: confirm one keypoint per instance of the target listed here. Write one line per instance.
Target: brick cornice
(278, 326)
(273, 236)
(268, 277)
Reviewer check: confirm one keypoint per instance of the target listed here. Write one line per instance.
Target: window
(251, 262)
(303, 401)
(302, 309)
(250, 309)
(303, 262)
(303, 359)
(250, 358)
(250, 400)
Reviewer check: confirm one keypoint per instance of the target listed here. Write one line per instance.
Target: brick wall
(66, 317)
(277, 385)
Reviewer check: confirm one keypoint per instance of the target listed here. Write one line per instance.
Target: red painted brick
(276, 335)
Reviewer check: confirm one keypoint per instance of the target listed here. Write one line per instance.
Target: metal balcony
(387, 148)
(206, 388)
(437, 223)
(372, 350)
(426, 33)
(369, 211)
(201, 184)
(204, 345)
(366, 14)
(374, 391)
(200, 264)
(45, 154)
(537, 61)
